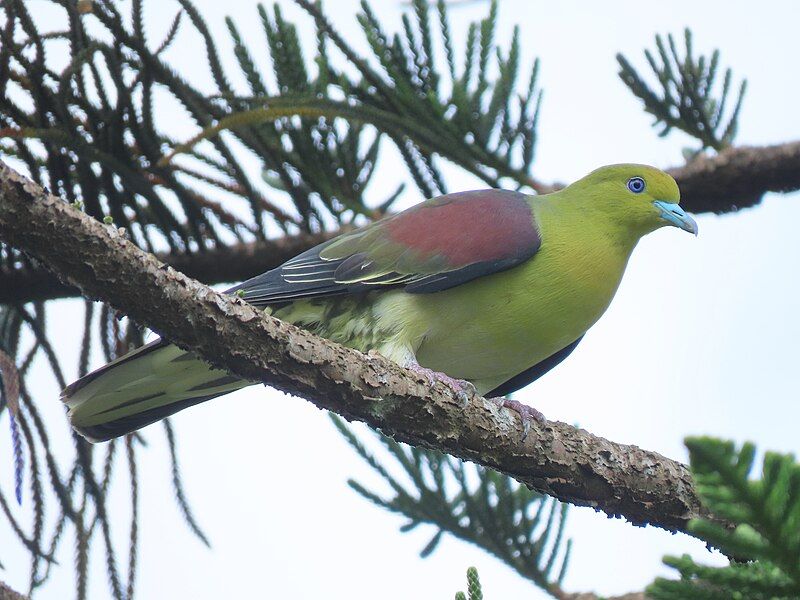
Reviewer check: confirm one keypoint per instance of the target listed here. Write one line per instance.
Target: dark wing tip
(103, 432)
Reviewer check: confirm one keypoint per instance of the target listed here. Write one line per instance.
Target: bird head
(636, 198)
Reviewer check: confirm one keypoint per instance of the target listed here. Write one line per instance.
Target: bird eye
(636, 185)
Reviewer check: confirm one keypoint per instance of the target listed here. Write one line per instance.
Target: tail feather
(140, 388)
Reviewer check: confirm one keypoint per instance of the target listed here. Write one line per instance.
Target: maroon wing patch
(465, 228)
(428, 248)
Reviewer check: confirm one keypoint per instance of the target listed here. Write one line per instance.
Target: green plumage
(485, 287)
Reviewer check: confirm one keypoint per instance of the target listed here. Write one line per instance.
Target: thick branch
(6, 593)
(738, 177)
(555, 458)
(735, 178)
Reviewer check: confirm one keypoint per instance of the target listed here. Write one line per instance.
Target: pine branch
(766, 539)
(554, 458)
(80, 491)
(478, 126)
(474, 590)
(522, 528)
(687, 99)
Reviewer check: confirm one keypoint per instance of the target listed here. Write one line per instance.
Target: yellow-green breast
(492, 328)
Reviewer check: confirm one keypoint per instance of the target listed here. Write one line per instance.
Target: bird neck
(575, 222)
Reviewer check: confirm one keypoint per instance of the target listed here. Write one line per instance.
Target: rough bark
(555, 458)
(731, 180)
(6, 593)
(738, 177)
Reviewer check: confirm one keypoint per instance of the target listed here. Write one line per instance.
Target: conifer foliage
(765, 545)
(474, 591)
(522, 528)
(688, 99)
(479, 122)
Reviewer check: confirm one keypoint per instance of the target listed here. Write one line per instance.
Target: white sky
(700, 339)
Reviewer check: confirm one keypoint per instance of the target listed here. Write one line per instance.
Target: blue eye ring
(636, 185)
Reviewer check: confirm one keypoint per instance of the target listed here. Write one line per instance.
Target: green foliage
(474, 591)
(522, 528)
(478, 122)
(687, 100)
(766, 539)
(315, 160)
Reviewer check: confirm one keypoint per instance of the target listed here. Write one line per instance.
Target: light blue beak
(675, 215)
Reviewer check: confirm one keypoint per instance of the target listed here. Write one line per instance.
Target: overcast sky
(701, 339)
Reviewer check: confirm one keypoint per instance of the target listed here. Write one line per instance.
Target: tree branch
(738, 177)
(6, 593)
(555, 458)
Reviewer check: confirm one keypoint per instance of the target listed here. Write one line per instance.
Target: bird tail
(140, 388)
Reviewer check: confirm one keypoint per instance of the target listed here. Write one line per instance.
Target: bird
(485, 290)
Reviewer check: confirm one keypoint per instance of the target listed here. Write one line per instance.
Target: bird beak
(676, 216)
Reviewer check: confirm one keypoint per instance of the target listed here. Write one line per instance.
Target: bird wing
(436, 245)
